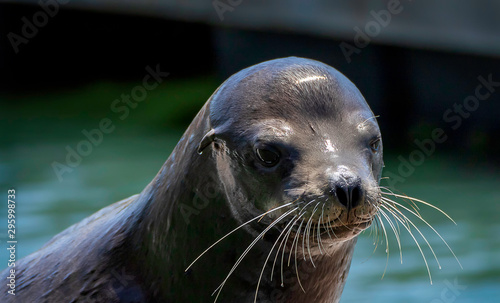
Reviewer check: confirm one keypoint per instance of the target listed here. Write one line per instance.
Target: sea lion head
(296, 131)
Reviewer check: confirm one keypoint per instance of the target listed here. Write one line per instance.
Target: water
(128, 159)
(471, 196)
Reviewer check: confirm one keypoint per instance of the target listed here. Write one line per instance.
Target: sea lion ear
(207, 139)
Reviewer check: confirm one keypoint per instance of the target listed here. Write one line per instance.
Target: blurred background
(429, 69)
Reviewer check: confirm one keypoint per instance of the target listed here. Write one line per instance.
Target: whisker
(386, 240)
(391, 192)
(318, 231)
(414, 239)
(320, 241)
(291, 223)
(372, 117)
(376, 227)
(304, 239)
(342, 222)
(305, 228)
(433, 229)
(423, 202)
(309, 233)
(219, 288)
(269, 255)
(295, 238)
(216, 242)
(396, 235)
(331, 227)
(296, 260)
(306, 235)
(283, 251)
(418, 230)
(321, 218)
(318, 238)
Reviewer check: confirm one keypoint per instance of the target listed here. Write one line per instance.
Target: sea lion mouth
(322, 222)
(341, 230)
(327, 232)
(337, 230)
(336, 225)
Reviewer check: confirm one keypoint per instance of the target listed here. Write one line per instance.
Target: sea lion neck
(180, 207)
(174, 188)
(325, 280)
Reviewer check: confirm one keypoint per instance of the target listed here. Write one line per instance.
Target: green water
(130, 156)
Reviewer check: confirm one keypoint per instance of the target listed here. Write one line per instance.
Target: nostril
(342, 195)
(356, 195)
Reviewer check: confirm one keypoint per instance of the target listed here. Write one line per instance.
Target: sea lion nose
(349, 194)
(347, 189)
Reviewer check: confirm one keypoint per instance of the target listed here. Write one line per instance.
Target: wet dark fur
(136, 250)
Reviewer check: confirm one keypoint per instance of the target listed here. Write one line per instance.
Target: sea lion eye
(375, 145)
(268, 156)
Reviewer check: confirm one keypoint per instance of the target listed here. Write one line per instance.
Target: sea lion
(286, 150)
